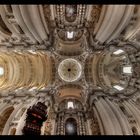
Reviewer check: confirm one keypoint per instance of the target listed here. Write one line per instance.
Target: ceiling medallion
(70, 70)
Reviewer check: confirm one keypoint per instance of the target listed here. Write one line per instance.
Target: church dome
(70, 70)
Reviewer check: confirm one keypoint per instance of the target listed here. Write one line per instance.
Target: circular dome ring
(70, 70)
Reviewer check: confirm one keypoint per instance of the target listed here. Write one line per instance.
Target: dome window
(70, 35)
(1, 71)
(33, 88)
(70, 105)
(118, 52)
(118, 87)
(127, 69)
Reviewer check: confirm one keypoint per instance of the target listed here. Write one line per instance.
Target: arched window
(119, 51)
(70, 105)
(127, 69)
(70, 34)
(118, 87)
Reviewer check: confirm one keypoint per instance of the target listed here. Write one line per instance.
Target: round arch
(70, 126)
(4, 117)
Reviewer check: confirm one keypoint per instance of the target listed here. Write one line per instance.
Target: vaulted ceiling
(69, 52)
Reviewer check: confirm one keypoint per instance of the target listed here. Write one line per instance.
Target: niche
(13, 131)
(4, 117)
(71, 127)
(134, 130)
